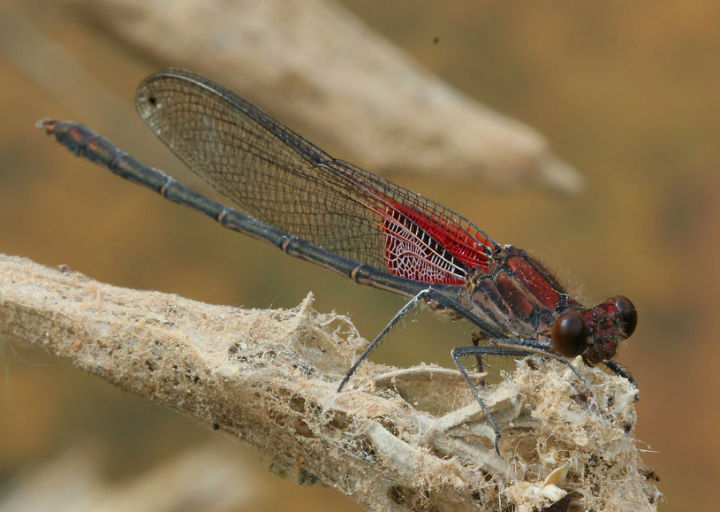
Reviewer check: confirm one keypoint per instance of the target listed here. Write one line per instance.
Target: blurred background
(625, 92)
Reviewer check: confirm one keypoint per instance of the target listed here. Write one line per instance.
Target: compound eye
(569, 334)
(627, 314)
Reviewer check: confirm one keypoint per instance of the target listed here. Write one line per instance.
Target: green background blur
(627, 92)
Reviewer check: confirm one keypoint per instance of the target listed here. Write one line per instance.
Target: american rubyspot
(332, 213)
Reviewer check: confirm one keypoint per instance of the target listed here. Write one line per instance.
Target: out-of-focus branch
(398, 440)
(74, 482)
(317, 67)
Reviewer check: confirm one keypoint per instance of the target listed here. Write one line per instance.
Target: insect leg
(407, 307)
(479, 350)
(476, 339)
(531, 346)
(619, 370)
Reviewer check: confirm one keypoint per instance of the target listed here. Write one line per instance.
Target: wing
(276, 176)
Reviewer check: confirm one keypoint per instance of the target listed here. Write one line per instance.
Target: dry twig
(401, 440)
(321, 70)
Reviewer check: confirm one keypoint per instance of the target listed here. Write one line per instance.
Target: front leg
(619, 370)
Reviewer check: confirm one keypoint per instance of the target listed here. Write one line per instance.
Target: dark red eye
(627, 314)
(569, 334)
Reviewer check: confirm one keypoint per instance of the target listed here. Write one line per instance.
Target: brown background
(627, 92)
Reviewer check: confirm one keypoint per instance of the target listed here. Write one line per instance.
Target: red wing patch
(431, 250)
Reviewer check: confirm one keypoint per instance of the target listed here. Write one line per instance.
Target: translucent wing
(276, 176)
